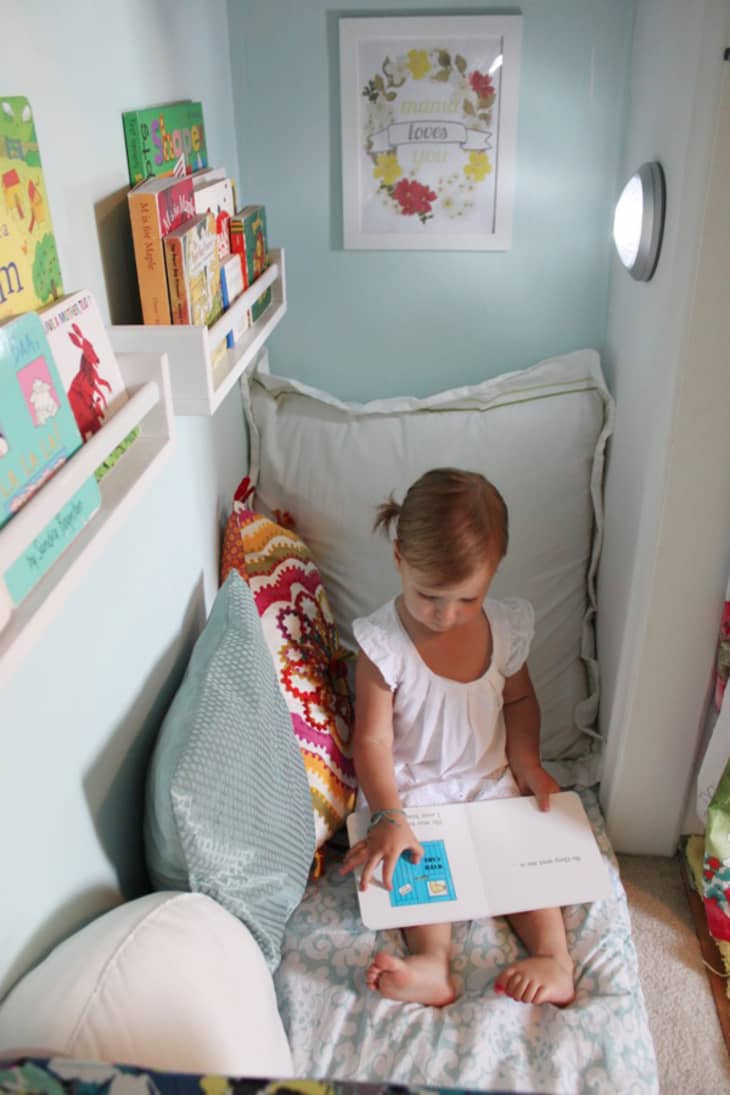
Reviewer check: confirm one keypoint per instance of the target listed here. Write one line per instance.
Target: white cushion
(539, 435)
(169, 981)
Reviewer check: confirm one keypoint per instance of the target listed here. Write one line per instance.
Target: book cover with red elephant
(87, 364)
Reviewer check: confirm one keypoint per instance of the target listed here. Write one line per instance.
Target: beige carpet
(690, 1048)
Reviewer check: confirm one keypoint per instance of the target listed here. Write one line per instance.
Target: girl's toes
(508, 982)
(520, 989)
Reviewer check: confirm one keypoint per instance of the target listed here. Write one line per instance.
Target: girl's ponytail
(386, 514)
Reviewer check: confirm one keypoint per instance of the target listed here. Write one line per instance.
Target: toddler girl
(445, 712)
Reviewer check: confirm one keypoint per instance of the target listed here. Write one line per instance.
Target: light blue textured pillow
(229, 811)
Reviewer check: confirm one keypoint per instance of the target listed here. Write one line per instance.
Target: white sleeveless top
(448, 736)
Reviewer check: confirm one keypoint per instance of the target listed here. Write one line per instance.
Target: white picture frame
(429, 128)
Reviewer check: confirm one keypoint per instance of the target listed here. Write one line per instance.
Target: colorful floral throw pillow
(300, 632)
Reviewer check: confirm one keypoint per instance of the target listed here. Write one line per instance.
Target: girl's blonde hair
(449, 523)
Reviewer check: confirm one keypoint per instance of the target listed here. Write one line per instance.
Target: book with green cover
(38, 434)
(166, 139)
(249, 239)
(30, 274)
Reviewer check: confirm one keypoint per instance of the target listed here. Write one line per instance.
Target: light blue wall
(78, 719)
(367, 324)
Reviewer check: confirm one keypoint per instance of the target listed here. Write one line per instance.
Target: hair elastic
(384, 815)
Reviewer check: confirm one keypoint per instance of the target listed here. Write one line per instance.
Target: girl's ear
(396, 553)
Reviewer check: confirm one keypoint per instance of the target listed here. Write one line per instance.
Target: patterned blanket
(338, 1028)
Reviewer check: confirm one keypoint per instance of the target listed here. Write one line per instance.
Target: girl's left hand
(536, 781)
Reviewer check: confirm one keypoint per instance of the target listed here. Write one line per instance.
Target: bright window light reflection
(627, 221)
(496, 63)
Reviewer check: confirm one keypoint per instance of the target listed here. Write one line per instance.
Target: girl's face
(442, 608)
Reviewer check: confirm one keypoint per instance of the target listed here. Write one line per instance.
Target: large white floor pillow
(538, 434)
(170, 981)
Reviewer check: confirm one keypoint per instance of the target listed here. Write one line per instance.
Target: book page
(444, 886)
(531, 859)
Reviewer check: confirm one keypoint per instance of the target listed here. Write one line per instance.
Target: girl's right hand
(384, 843)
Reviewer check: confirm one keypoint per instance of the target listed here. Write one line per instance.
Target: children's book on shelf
(208, 174)
(38, 433)
(165, 139)
(487, 859)
(87, 365)
(216, 196)
(193, 271)
(249, 239)
(231, 287)
(30, 274)
(156, 207)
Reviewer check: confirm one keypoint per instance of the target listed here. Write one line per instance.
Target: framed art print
(429, 120)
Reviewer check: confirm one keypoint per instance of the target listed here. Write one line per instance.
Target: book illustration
(424, 882)
(491, 858)
(86, 393)
(249, 238)
(85, 360)
(164, 139)
(30, 273)
(39, 434)
(217, 197)
(86, 363)
(37, 388)
(156, 207)
(193, 271)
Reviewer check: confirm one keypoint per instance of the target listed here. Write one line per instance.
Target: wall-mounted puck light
(638, 223)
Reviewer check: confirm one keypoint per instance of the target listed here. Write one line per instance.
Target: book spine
(177, 281)
(230, 341)
(150, 258)
(238, 245)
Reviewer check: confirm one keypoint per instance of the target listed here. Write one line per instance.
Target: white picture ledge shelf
(149, 406)
(197, 387)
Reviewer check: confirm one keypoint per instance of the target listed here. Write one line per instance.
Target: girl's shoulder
(512, 620)
(379, 637)
(384, 621)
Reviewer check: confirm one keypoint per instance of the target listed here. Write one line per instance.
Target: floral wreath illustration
(403, 193)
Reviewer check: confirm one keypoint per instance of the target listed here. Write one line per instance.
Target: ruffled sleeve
(377, 637)
(520, 618)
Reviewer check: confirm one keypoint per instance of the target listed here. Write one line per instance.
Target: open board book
(487, 859)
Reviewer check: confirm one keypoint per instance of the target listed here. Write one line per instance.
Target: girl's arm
(372, 742)
(522, 723)
(372, 750)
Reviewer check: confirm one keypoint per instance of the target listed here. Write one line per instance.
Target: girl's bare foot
(541, 979)
(419, 978)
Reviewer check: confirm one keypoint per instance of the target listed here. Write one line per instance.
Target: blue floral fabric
(338, 1027)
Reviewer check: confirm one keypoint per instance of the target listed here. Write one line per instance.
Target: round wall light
(638, 222)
